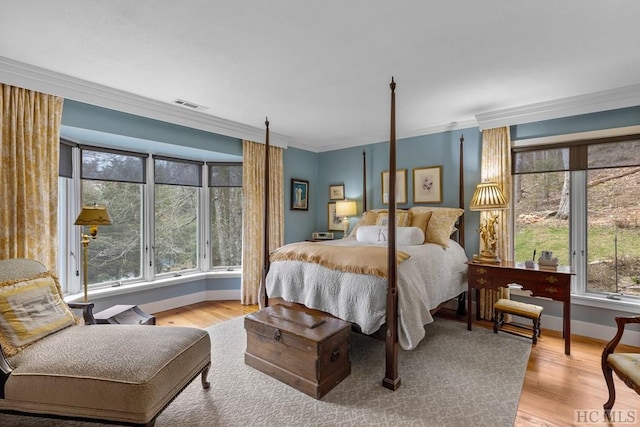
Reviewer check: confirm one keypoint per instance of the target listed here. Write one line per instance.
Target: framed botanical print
(427, 184)
(335, 222)
(336, 192)
(299, 195)
(401, 187)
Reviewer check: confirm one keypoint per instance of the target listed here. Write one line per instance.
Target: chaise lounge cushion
(124, 373)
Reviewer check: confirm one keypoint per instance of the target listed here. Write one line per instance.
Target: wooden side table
(554, 284)
(124, 315)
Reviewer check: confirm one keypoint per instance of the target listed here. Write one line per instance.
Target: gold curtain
(29, 150)
(496, 166)
(253, 213)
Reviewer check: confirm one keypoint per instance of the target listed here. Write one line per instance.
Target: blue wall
(574, 124)
(441, 149)
(300, 164)
(85, 116)
(345, 167)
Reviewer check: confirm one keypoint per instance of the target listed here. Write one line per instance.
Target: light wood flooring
(558, 390)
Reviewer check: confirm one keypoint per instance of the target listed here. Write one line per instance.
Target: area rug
(453, 378)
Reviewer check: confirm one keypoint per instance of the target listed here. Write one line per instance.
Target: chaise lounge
(54, 367)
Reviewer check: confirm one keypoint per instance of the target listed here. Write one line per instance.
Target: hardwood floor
(558, 390)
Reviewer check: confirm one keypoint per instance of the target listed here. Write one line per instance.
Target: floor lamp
(93, 216)
(346, 208)
(488, 197)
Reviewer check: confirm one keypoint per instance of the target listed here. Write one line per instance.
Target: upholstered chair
(52, 364)
(625, 365)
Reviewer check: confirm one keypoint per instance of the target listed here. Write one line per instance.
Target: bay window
(163, 221)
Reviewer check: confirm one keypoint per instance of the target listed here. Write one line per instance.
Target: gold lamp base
(486, 257)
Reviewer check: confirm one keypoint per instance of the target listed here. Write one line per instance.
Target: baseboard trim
(196, 297)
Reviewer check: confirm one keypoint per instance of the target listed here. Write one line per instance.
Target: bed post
(263, 298)
(461, 193)
(364, 181)
(462, 307)
(391, 380)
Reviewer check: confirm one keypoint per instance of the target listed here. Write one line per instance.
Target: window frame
(70, 248)
(578, 167)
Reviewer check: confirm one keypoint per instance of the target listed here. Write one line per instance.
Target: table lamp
(346, 208)
(488, 197)
(93, 216)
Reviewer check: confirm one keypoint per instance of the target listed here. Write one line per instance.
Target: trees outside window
(176, 232)
(157, 228)
(225, 190)
(599, 235)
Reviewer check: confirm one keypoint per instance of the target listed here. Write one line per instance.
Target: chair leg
(535, 333)
(608, 377)
(205, 372)
(498, 320)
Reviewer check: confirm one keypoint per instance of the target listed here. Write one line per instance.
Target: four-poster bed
(394, 298)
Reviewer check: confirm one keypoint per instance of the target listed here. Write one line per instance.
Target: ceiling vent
(189, 104)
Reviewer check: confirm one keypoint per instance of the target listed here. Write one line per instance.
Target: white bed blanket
(431, 276)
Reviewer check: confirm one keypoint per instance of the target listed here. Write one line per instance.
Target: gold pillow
(442, 225)
(421, 220)
(403, 218)
(370, 217)
(31, 310)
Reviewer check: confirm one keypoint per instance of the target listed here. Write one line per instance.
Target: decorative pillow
(405, 236)
(421, 220)
(442, 225)
(367, 218)
(371, 216)
(403, 218)
(31, 310)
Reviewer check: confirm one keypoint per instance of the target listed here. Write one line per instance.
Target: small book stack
(548, 264)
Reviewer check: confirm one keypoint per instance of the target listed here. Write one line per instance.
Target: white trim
(401, 135)
(585, 329)
(34, 78)
(579, 136)
(184, 300)
(612, 99)
(97, 294)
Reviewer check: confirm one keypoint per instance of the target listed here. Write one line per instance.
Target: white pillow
(405, 236)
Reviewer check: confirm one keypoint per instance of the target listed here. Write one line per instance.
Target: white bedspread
(431, 276)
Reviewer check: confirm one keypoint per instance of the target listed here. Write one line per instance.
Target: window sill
(625, 304)
(597, 301)
(97, 294)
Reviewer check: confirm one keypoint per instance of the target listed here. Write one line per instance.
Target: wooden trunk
(304, 348)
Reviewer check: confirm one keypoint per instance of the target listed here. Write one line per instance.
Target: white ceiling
(320, 70)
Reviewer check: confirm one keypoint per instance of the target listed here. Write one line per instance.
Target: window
(157, 230)
(225, 192)
(580, 200)
(117, 180)
(176, 214)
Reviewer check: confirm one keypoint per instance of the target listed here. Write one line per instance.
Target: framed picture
(401, 187)
(299, 195)
(427, 185)
(336, 192)
(335, 222)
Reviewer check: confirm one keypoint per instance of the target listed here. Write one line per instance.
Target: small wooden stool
(517, 308)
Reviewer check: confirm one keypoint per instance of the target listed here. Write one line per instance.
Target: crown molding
(39, 79)
(612, 99)
(401, 135)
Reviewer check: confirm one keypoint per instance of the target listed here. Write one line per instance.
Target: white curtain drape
(253, 155)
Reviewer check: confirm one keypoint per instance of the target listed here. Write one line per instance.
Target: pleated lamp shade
(488, 196)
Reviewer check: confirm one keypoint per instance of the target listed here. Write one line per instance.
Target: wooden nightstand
(553, 284)
(124, 315)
